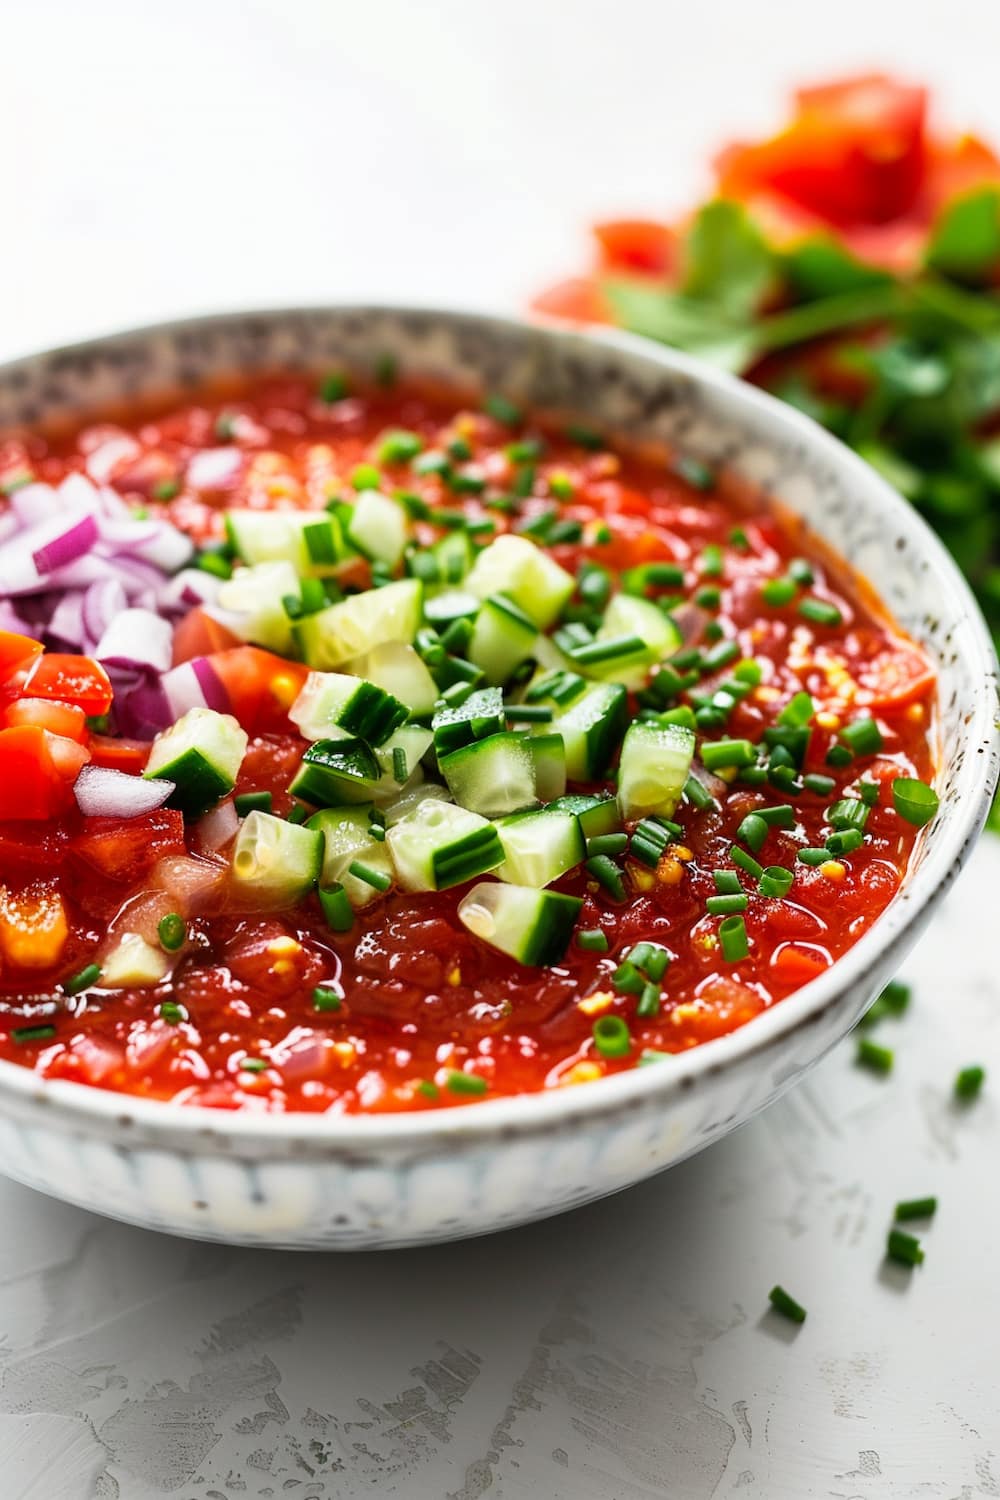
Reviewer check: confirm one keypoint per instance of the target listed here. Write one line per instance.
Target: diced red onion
(136, 639)
(194, 684)
(101, 603)
(142, 710)
(103, 461)
(214, 468)
(67, 545)
(188, 588)
(105, 793)
(217, 827)
(66, 624)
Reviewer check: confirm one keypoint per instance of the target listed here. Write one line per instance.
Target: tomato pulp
(408, 1010)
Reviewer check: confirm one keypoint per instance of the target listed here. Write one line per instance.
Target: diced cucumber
(133, 962)
(592, 729)
(310, 540)
(628, 615)
(514, 566)
(356, 625)
(502, 638)
(397, 669)
(532, 926)
(331, 702)
(379, 527)
(336, 771)
(480, 715)
(596, 815)
(540, 846)
(493, 777)
(441, 608)
(655, 764)
(404, 749)
(410, 799)
(549, 755)
(453, 554)
(201, 754)
(253, 603)
(438, 845)
(347, 837)
(275, 863)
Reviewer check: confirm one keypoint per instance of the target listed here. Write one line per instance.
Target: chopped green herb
(253, 1064)
(786, 1305)
(820, 611)
(608, 875)
(459, 1082)
(904, 1248)
(969, 1082)
(914, 800)
(333, 387)
(863, 736)
(916, 1208)
(172, 1013)
(337, 909)
(592, 940)
(611, 1036)
(22, 1034)
(326, 998)
(502, 410)
(172, 932)
(83, 980)
(871, 1055)
(733, 939)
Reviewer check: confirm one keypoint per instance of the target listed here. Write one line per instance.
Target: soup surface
(388, 753)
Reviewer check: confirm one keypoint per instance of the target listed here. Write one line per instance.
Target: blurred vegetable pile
(851, 265)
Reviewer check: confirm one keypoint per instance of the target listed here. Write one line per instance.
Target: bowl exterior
(305, 1181)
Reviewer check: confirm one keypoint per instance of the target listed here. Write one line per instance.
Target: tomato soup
(370, 749)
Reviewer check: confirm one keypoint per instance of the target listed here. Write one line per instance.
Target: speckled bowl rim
(958, 827)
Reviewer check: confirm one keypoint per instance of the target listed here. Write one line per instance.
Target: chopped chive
(969, 1082)
(326, 998)
(797, 711)
(845, 842)
(733, 939)
(776, 881)
(22, 1034)
(871, 1055)
(399, 446)
(779, 591)
(607, 843)
(698, 795)
(164, 489)
(502, 410)
(611, 1036)
(782, 815)
(896, 996)
(868, 792)
(585, 437)
(365, 477)
(172, 1013)
(720, 656)
(711, 562)
(753, 831)
(727, 883)
(708, 598)
(863, 736)
(746, 861)
(820, 611)
(82, 980)
(748, 672)
(839, 756)
(592, 940)
(529, 713)
(719, 755)
(459, 1082)
(172, 932)
(649, 1002)
(428, 1089)
(914, 800)
(608, 875)
(904, 1248)
(626, 979)
(432, 462)
(333, 387)
(297, 814)
(821, 785)
(215, 563)
(460, 448)
(813, 857)
(400, 769)
(524, 450)
(726, 906)
(248, 802)
(378, 879)
(337, 909)
(916, 1208)
(739, 539)
(848, 812)
(253, 1065)
(801, 571)
(786, 1305)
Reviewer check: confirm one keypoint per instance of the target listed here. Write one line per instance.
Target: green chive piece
(502, 410)
(813, 857)
(248, 802)
(711, 563)
(626, 979)
(366, 477)
(779, 591)
(607, 843)
(651, 1055)
(378, 879)
(333, 387)
(399, 446)
(969, 1082)
(776, 881)
(325, 998)
(22, 1034)
(733, 939)
(746, 861)
(253, 1064)
(698, 795)
(916, 1208)
(726, 906)
(459, 1082)
(863, 736)
(166, 489)
(172, 932)
(904, 1248)
(801, 571)
(821, 785)
(914, 800)
(172, 1013)
(592, 940)
(649, 1002)
(82, 980)
(739, 539)
(839, 756)
(720, 755)
(611, 1036)
(337, 909)
(753, 831)
(608, 875)
(820, 611)
(871, 1055)
(845, 842)
(786, 1305)
(400, 770)
(896, 996)
(428, 1089)
(727, 883)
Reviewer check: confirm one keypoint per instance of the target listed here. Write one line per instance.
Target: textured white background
(184, 157)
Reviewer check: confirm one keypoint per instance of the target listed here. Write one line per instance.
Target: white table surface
(191, 156)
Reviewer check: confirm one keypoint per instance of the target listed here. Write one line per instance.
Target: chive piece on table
(904, 1248)
(915, 1208)
(785, 1304)
(969, 1082)
(871, 1055)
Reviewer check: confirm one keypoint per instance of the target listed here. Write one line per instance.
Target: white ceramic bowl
(309, 1181)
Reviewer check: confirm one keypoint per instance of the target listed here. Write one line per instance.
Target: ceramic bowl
(316, 1182)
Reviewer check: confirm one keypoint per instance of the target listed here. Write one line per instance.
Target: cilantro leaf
(727, 261)
(966, 239)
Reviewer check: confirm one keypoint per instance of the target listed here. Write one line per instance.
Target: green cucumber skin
(602, 730)
(372, 714)
(596, 813)
(548, 947)
(335, 771)
(198, 784)
(480, 862)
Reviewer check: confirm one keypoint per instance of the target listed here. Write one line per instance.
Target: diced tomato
(72, 679)
(119, 755)
(262, 687)
(17, 653)
(636, 245)
(68, 756)
(31, 785)
(578, 300)
(65, 719)
(854, 153)
(34, 850)
(888, 675)
(199, 635)
(123, 849)
(793, 964)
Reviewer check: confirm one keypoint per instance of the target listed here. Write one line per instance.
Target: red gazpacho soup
(370, 748)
